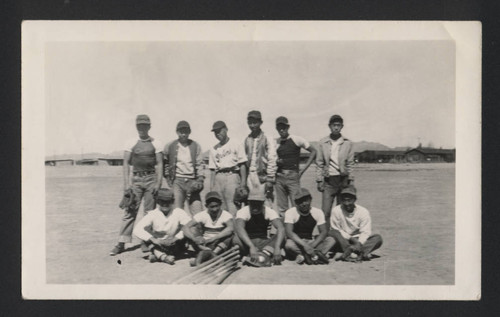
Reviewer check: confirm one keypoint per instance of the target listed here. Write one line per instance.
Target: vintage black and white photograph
(251, 160)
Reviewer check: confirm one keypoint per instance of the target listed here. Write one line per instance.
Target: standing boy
(227, 165)
(145, 156)
(289, 173)
(183, 169)
(334, 163)
(261, 159)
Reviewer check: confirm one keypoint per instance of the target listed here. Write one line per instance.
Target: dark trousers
(260, 243)
(373, 243)
(177, 249)
(333, 187)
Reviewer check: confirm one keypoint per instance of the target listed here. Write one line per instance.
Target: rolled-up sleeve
(139, 230)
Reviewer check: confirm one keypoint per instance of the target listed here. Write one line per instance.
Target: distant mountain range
(358, 147)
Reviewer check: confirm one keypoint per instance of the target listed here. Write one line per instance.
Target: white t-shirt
(163, 226)
(212, 228)
(333, 167)
(292, 215)
(244, 213)
(184, 165)
(355, 224)
(228, 155)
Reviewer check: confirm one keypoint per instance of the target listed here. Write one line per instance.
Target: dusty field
(412, 207)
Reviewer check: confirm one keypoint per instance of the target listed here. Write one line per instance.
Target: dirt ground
(412, 207)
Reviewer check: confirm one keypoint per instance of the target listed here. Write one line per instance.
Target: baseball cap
(213, 195)
(254, 114)
(165, 194)
(257, 195)
(282, 120)
(350, 190)
(303, 192)
(337, 118)
(142, 119)
(218, 125)
(183, 124)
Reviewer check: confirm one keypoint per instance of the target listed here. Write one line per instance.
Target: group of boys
(244, 177)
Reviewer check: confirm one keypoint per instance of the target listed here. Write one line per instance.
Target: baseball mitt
(195, 187)
(263, 260)
(129, 201)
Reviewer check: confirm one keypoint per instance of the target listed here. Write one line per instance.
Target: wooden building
(386, 156)
(60, 162)
(423, 155)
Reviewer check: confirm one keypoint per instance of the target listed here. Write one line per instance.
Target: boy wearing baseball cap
(183, 169)
(251, 226)
(334, 163)
(214, 228)
(351, 227)
(299, 225)
(289, 172)
(164, 229)
(142, 174)
(261, 158)
(227, 165)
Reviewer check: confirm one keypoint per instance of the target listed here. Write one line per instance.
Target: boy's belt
(228, 170)
(144, 173)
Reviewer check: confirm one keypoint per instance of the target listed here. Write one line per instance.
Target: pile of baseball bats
(215, 270)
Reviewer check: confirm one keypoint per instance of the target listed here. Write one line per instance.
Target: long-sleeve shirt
(356, 224)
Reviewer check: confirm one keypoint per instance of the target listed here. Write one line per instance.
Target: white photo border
(467, 37)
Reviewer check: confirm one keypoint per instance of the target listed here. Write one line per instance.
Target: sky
(396, 93)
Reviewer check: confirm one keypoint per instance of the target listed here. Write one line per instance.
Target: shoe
(347, 253)
(300, 259)
(322, 259)
(169, 259)
(152, 258)
(366, 257)
(119, 248)
(337, 256)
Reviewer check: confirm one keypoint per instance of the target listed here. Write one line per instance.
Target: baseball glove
(129, 201)
(263, 260)
(241, 194)
(195, 187)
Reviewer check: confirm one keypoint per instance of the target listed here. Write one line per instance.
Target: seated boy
(164, 229)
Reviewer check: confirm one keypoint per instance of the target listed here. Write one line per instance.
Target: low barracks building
(416, 155)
